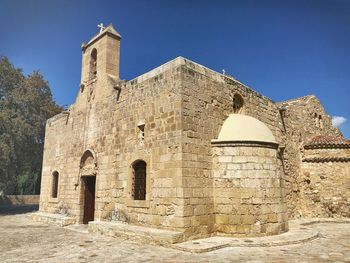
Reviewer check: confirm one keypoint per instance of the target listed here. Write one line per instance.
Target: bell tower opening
(93, 64)
(101, 55)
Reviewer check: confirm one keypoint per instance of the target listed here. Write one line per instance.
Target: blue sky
(283, 49)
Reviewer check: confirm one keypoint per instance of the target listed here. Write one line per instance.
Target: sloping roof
(303, 99)
(323, 141)
(327, 159)
(108, 30)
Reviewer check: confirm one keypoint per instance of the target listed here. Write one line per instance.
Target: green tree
(25, 104)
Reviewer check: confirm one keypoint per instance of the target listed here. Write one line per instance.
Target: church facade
(185, 149)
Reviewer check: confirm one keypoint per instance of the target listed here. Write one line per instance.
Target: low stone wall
(136, 233)
(19, 199)
(53, 219)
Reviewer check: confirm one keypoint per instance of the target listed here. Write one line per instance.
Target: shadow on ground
(17, 209)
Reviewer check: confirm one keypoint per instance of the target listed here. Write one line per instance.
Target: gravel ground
(23, 240)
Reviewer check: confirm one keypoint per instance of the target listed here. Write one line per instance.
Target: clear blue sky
(283, 49)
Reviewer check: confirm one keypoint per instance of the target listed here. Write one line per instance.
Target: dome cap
(238, 127)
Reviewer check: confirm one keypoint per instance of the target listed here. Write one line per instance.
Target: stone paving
(23, 240)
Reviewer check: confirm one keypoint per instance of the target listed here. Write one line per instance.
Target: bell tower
(101, 56)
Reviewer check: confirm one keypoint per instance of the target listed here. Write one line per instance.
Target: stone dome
(238, 127)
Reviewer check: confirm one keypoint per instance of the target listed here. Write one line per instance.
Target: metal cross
(101, 27)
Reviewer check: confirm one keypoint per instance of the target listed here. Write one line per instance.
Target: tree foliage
(25, 104)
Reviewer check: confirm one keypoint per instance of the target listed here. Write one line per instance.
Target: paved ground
(25, 241)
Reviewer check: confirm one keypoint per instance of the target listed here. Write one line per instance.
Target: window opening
(139, 180)
(54, 192)
(237, 103)
(141, 134)
(93, 64)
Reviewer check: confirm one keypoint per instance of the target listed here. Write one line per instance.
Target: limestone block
(225, 159)
(222, 219)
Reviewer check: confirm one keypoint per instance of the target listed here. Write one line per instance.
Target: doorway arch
(88, 170)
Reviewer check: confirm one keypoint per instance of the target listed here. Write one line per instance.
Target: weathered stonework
(301, 120)
(325, 177)
(249, 196)
(153, 134)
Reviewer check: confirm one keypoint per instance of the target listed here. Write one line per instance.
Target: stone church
(184, 152)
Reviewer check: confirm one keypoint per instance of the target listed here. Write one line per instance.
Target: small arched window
(141, 135)
(237, 103)
(93, 64)
(54, 191)
(320, 121)
(139, 180)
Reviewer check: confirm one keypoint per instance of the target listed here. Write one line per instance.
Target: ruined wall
(325, 182)
(206, 102)
(301, 119)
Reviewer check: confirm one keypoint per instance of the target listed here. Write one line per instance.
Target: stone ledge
(217, 242)
(54, 219)
(311, 221)
(136, 233)
(80, 228)
(298, 233)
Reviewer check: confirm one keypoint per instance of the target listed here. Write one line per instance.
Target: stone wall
(179, 125)
(325, 183)
(207, 100)
(19, 199)
(153, 100)
(301, 119)
(109, 129)
(249, 191)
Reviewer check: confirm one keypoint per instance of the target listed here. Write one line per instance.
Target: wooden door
(89, 198)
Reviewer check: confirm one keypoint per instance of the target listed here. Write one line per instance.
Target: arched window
(141, 134)
(320, 121)
(54, 191)
(316, 119)
(237, 103)
(139, 180)
(93, 64)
